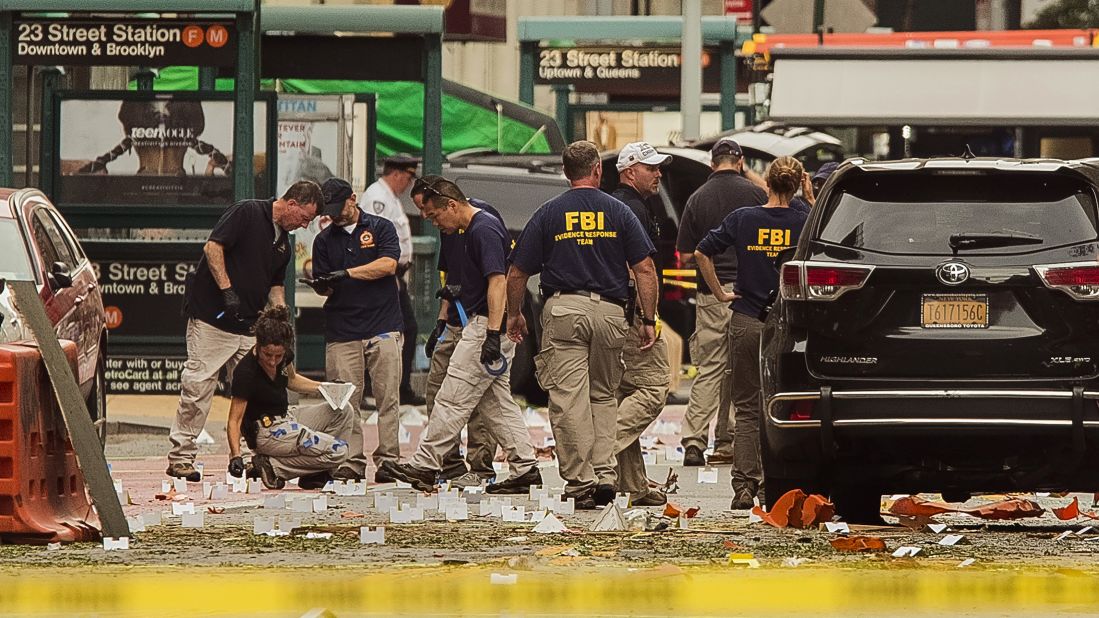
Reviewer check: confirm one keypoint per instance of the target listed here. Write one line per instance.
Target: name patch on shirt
(584, 227)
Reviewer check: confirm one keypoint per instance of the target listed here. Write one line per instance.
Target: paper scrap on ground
(906, 552)
(505, 580)
(550, 525)
(952, 539)
(747, 560)
(336, 395)
(966, 562)
(707, 476)
(837, 527)
(320, 536)
(609, 520)
(797, 510)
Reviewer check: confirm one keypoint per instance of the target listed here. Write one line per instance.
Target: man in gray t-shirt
(727, 189)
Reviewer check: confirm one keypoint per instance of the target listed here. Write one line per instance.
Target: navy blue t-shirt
(486, 242)
(358, 309)
(454, 261)
(757, 234)
(583, 239)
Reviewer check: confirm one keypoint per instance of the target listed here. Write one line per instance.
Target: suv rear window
(918, 213)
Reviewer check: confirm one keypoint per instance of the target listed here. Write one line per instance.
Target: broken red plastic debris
(797, 510)
(858, 543)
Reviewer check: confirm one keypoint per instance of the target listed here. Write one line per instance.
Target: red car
(37, 244)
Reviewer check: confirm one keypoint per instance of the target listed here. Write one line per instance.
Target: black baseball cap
(726, 146)
(336, 191)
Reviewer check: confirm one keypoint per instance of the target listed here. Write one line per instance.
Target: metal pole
(145, 78)
(6, 87)
(47, 153)
(527, 54)
(207, 79)
(690, 90)
(424, 277)
(728, 85)
(818, 15)
(757, 18)
(561, 110)
(243, 108)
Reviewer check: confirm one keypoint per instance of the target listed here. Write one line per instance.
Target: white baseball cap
(640, 152)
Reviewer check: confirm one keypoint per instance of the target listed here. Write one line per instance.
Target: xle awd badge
(952, 273)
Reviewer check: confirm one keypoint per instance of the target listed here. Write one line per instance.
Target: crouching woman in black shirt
(308, 441)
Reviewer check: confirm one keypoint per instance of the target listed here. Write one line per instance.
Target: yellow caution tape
(937, 586)
(679, 272)
(689, 285)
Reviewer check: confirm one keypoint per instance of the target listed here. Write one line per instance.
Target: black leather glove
(449, 293)
(236, 467)
(490, 349)
(331, 279)
(433, 338)
(320, 287)
(232, 303)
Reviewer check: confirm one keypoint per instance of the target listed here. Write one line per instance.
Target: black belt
(613, 301)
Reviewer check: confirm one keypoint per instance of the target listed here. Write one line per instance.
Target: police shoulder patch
(379, 206)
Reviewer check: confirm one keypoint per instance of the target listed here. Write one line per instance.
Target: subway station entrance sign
(105, 42)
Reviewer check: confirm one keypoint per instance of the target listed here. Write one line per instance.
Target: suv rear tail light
(802, 410)
(790, 279)
(1079, 280)
(821, 280)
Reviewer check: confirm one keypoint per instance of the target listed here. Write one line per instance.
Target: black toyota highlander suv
(937, 329)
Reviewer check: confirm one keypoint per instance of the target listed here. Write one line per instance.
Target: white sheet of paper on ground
(550, 525)
(180, 485)
(112, 544)
(513, 513)
(372, 537)
(565, 506)
(457, 512)
(707, 475)
(404, 436)
(320, 503)
(151, 518)
(277, 501)
(321, 536)
(498, 579)
(674, 454)
(937, 528)
(967, 562)
(407, 515)
(952, 539)
(1064, 535)
(793, 562)
(53, 546)
(609, 520)
(336, 395)
(1085, 530)
(263, 525)
(1042, 494)
(193, 520)
(255, 486)
(745, 560)
(180, 508)
(906, 552)
(204, 437)
(839, 527)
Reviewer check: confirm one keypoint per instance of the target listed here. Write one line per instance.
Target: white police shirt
(379, 200)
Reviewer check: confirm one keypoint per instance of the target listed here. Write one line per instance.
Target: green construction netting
(400, 108)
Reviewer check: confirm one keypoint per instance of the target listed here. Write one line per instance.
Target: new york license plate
(954, 311)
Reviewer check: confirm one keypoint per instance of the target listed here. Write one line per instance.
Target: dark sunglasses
(430, 191)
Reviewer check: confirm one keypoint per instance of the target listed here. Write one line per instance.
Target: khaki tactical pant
(208, 350)
(308, 440)
(380, 357)
(580, 366)
(480, 447)
(744, 336)
(641, 398)
(711, 389)
(468, 385)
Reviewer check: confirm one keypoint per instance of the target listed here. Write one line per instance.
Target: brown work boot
(184, 470)
(652, 498)
(720, 458)
(692, 456)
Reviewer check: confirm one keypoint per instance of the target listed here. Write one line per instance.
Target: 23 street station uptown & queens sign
(131, 42)
(625, 70)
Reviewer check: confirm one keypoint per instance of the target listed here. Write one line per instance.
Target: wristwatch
(648, 322)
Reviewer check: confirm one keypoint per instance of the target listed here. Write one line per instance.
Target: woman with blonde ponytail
(757, 234)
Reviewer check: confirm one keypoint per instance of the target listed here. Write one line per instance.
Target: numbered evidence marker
(513, 513)
(183, 509)
(372, 537)
(112, 544)
(457, 511)
(564, 506)
(193, 520)
(405, 516)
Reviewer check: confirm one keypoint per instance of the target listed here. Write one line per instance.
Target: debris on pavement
(858, 543)
(1013, 508)
(906, 552)
(550, 525)
(747, 560)
(797, 510)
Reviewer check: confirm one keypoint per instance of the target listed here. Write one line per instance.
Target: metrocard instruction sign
(107, 42)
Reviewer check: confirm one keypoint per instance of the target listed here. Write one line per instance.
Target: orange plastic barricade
(42, 495)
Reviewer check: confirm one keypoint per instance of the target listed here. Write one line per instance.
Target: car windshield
(983, 214)
(15, 265)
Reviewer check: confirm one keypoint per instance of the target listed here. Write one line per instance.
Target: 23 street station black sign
(638, 71)
(107, 42)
